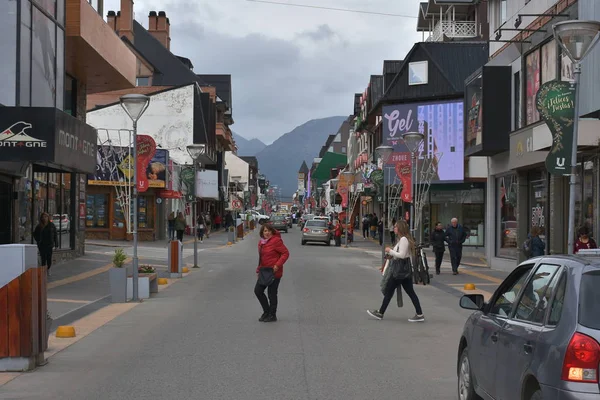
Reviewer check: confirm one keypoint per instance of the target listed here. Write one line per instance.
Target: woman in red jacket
(272, 254)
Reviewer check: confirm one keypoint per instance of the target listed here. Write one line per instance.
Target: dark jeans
(270, 305)
(46, 255)
(393, 236)
(201, 233)
(180, 236)
(337, 240)
(365, 231)
(439, 256)
(455, 256)
(407, 285)
(171, 233)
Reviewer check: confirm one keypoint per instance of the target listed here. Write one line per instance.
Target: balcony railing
(453, 29)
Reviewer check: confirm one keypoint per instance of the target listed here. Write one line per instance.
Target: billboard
(114, 167)
(207, 184)
(441, 123)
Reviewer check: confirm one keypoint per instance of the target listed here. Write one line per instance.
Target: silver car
(316, 231)
(538, 337)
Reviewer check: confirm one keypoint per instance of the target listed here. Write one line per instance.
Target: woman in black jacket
(438, 244)
(46, 237)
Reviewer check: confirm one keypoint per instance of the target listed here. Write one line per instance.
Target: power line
(332, 9)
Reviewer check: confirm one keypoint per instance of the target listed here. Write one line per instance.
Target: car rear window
(278, 218)
(589, 300)
(317, 224)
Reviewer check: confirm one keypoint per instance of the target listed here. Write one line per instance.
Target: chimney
(159, 27)
(125, 19)
(111, 19)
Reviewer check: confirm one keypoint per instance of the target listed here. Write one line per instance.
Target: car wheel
(465, 378)
(303, 243)
(537, 395)
(261, 221)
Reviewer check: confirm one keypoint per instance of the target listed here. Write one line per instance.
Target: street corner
(470, 280)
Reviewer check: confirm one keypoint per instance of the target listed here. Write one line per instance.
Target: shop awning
(49, 137)
(330, 160)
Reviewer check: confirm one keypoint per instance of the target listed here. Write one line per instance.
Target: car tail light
(326, 231)
(582, 359)
(506, 232)
(305, 230)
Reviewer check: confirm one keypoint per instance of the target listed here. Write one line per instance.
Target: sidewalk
(187, 239)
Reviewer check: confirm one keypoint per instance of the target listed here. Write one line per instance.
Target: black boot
(272, 317)
(263, 316)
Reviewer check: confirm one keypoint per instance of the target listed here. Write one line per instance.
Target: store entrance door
(118, 230)
(6, 213)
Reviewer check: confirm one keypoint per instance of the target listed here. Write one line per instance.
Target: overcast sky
(288, 64)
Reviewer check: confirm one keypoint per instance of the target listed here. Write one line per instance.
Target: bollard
(175, 259)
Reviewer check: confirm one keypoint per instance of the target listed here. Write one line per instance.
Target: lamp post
(347, 175)
(384, 152)
(135, 105)
(576, 38)
(413, 141)
(236, 180)
(195, 151)
(320, 193)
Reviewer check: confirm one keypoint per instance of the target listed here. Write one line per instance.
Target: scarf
(264, 241)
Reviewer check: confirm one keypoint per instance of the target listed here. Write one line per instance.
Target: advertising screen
(442, 125)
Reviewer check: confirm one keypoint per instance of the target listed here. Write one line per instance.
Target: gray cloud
(287, 65)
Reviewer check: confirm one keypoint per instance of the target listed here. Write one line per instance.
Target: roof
(451, 64)
(303, 168)
(330, 160)
(223, 85)
(172, 71)
(376, 88)
(390, 69)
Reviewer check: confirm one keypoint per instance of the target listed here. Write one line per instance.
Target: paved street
(200, 338)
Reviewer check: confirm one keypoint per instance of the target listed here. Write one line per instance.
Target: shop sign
(169, 194)
(146, 148)
(207, 185)
(555, 102)
(46, 134)
(402, 164)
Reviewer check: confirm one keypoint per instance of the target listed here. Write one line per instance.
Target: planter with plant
(146, 269)
(118, 277)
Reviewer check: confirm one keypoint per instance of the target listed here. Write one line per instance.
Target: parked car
(537, 337)
(258, 217)
(279, 222)
(62, 222)
(304, 218)
(316, 231)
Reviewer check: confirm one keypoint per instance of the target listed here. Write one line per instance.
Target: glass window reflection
(43, 74)
(8, 62)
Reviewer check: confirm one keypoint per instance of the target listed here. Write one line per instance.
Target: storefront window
(538, 202)
(51, 193)
(96, 206)
(145, 212)
(8, 62)
(465, 205)
(43, 73)
(584, 196)
(506, 223)
(532, 80)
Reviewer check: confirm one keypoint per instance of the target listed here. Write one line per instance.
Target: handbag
(266, 276)
(401, 268)
(201, 226)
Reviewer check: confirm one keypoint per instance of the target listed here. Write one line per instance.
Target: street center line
(69, 301)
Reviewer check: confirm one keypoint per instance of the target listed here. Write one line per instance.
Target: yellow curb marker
(470, 286)
(163, 281)
(65, 332)
(185, 270)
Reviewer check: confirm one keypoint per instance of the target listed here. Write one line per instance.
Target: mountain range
(248, 147)
(281, 160)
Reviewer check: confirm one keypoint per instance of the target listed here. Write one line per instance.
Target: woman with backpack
(399, 255)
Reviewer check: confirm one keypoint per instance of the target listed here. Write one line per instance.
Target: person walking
(374, 223)
(380, 228)
(46, 237)
(584, 241)
(392, 233)
(218, 221)
(208, 224)
(180, 226)
(272, 254)
(201, 227)
(438, 242)
(171, 225)
(401, 251)
(455, 237)
(365, 226)
(337, 233)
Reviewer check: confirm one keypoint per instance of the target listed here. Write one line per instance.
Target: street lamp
(195, 151)
(413, 142)
(347, 175)
(320, 193)
(384, 152)
(576, 38)
(135, 105)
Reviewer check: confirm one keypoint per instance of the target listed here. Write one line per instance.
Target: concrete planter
(48, 327)
(143, 287)
(117, 278)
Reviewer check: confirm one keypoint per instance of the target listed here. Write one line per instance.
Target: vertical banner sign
(402, 163)
(555, 102)
(146, 147)
(187, 178)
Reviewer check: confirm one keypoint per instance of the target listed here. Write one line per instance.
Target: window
(506, 298)
(70, 97)
(47, 5)
(558, 302)
(538, 201)
(145, 212)
(537, 293)
(25, 58)
(143, 81)
(43, 72)
(589, 300)
(506, 223)
(584, 194)
(517, 101)
(548, 62)
(8, 62)
(343, 150)
(503, 11)
(96, 205)
(532, 80)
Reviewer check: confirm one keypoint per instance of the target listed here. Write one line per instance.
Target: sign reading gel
(395, 124)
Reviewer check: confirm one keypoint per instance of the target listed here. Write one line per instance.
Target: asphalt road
(200, 338)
